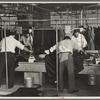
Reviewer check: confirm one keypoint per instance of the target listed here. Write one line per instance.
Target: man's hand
(47, 52)
(31, 51)
(82, 50)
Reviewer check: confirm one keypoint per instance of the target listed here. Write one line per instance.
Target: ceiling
(66, 6)
(39, 11)
(31, 8)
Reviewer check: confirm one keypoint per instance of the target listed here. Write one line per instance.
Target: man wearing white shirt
(65, 51)
(78, 39)
(9, 47)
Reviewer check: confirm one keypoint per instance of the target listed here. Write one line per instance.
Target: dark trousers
(66, 61)
(10, 64)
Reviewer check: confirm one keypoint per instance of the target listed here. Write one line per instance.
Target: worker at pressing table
(11, 44)
(65, 51)
(78, 39)
(27, 40)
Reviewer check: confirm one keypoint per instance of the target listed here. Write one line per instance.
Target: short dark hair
(76, 30)
(12, 33)
(67, 37)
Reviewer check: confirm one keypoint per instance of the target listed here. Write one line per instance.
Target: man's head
(12, 33)
(26, 35)
(76, 32)
(82, 29)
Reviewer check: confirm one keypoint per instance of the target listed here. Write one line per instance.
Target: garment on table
(50, 63)
(50, 60)
(26, 92)
(78, 57)
(78, 61)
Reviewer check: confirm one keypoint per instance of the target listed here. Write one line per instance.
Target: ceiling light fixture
(57, 7)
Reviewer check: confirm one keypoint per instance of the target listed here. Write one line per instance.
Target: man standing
(27, 40)
(78, 39)
(65, 51)
(9, 46)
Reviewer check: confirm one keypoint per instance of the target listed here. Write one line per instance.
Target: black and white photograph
(49, 49)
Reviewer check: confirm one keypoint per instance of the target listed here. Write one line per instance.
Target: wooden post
(57, 55)
(6, 56)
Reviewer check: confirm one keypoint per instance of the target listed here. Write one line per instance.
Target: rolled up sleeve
(19, 45)
(53, 48)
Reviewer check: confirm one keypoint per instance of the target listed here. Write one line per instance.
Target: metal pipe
(81, 17)
(50, 20)
(6, 56)
(45, 29)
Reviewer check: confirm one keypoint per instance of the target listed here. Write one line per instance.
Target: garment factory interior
(47, 23)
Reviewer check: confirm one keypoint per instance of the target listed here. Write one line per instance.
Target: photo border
(49, 1)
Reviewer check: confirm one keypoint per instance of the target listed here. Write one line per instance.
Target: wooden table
(34, 70)
(88, 69)
(92, 69)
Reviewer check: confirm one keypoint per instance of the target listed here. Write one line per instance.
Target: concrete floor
(85, 90)
(50, 90)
